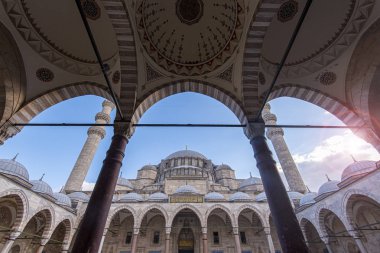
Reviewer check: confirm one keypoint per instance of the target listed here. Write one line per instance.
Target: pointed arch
(223, 208)
(118, 209)
(195, 210)
(22, 206)
(330, 104)
(263, 220)
(150, 208)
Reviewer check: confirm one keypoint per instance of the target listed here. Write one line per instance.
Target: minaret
(83, 163)
(276, 135)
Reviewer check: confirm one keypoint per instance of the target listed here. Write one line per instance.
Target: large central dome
(186, 153)
(190, 36)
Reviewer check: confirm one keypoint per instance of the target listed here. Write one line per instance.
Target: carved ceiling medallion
(190, 37)
(45, 74)
(287, 11)
(91, 8)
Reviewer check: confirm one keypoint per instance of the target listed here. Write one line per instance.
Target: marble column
(204, 240)
(276, 135)
(9, 242)
(237, 239)
(285, 220)
(360, 244)
(42, 246)
(135, 238)
(328, 247)
(269, 239)
(102, 241)
(83, 163)
(91, 230)
(167, 240)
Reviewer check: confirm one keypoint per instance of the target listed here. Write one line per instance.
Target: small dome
(358, 168)
(295, 195)
(240, 196)
(186, 153)
(149, 167)
(158, 196)
(329, 186)
(41, 187)
(223, 167)
(124, 182)
(79, 196)
(131, 197)
(186, 189)
(261, 197)
(250, 181)
(62, 199)
(308, 198)
(212, 196)
(14, 168)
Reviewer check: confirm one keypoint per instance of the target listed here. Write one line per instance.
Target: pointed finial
(353, 158)
(308, 190)
(186, 147)
(121, 174)
(42, 176)
(250, 174)
(14, 158)
(328, 179)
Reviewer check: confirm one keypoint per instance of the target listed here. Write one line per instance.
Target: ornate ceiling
(190, 37)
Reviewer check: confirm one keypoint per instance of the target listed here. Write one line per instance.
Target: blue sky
(53, 151)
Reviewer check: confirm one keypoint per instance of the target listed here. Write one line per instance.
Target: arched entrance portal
(186, 232)
(186, 241)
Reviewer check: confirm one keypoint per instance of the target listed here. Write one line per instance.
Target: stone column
(102, 240)
(328, 245)
(135, 238)
(285, 221)
(237, 239)
(8, 130)
(42, 245)
(359, 243)
(83, 163)
(204, 240)
(9, 242)
(167, 240)
(276, 135)
(91, 230)
(269, 239)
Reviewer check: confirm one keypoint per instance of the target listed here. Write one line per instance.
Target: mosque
(186, 203)
(242, 53)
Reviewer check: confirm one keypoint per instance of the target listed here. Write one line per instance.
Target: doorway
(186, 241)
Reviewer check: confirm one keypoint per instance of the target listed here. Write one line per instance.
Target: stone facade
(181, 211)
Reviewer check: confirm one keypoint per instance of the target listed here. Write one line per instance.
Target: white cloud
(87, 186)
(331, 157)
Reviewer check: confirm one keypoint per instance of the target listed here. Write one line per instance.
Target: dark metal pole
(99, 58)
(285, 56)
(94, 220)
(286, 223)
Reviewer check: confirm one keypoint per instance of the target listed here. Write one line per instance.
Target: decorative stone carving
(45, 74)
(97, 130)
(151, 74)
(227, 74)
(287, 11)
(116, 77)
(189, 11)
(8, 130)
(103, 116)
(262, 79)
(91, 8)
(327, 78)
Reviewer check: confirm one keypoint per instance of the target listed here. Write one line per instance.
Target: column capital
(8, 130)
(103, 116)
(274, 131)
(136, 231)
(267, 231)
(204, 230)
(256, 129)
(235, 230)
(123, 128)
(13, 236)
(168, 230)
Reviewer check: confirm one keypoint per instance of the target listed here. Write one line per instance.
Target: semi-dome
(250, 181)
(214, 196)
(240, 196)
(329, 186)
(223, 167)
(124, 182)
(358, 168)
(14, 168)
(41, 187)
(131, 197)
(79, 196)
(308, 198)
(158, 197)
(261, 197)
(62, 199)
(186, 189)
(295, 195)
(186, 153)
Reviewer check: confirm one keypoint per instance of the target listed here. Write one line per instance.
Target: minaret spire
(95, 135)
(276, 135)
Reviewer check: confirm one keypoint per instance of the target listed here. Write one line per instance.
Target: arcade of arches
(229, 50)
